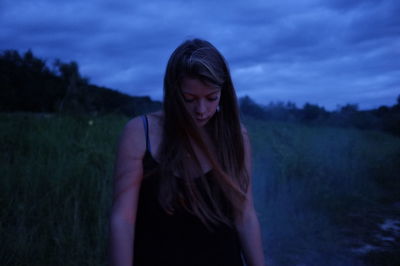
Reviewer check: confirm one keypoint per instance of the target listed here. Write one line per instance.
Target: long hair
(221, 140)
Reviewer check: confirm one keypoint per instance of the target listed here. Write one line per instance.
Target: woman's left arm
(247, 224)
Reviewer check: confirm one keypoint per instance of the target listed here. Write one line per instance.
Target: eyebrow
(196, 95)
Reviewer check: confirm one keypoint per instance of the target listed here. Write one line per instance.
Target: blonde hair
(201, 60)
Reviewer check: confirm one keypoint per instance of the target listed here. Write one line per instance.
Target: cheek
(213, 106)
(191, 107)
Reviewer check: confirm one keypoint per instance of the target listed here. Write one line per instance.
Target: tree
(75, 99)
(34, 64)
(396, 107)
(349, 108)
(313, 112)
(251, 108)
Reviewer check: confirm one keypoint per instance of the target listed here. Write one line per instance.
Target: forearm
(249, 232)
(121, 242)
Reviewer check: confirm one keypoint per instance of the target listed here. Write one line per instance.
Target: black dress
(180, 238)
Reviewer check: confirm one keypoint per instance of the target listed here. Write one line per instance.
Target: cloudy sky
(326, 52)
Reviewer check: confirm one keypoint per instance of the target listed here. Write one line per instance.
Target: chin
(202, 123)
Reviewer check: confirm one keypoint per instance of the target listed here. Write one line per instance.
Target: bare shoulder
(156, 118)
(158, 114)
(132, 141)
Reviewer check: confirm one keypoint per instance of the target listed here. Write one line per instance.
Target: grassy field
(309, 181)
(56, 179)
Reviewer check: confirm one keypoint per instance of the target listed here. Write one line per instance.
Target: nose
(200, 107)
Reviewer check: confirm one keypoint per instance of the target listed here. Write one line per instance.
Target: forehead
(197, 87)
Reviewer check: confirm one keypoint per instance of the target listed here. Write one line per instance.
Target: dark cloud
(345, 5)
(378, 22)
(324, 52)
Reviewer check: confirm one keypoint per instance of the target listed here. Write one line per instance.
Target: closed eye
(189, 100)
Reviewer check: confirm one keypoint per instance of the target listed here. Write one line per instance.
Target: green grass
(56, 181)
(55, 189)
(307, 180)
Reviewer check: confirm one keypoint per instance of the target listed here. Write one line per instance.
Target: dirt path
(374, 235)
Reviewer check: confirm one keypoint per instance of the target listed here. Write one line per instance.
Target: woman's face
(201, 99)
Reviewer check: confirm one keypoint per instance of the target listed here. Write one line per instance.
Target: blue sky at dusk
(328, 52)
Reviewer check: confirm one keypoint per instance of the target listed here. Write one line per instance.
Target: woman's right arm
(128, 174)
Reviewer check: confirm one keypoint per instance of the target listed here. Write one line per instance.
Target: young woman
(182, 186)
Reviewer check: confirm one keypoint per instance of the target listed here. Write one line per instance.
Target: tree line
(382, 118)
(29, 84)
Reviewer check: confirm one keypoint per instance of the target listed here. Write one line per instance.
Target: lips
(201, 120)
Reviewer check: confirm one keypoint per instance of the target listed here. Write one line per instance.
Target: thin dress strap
(146, 130)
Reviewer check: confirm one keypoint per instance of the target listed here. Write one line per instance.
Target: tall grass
(55, 188)
(56, 181)
(308, 180)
